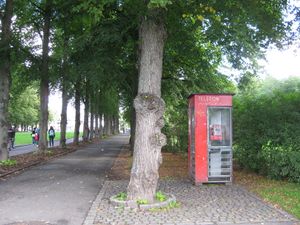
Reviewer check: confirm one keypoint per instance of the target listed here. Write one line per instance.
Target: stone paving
(203, 205)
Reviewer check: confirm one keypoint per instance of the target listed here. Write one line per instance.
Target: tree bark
(44, 84)
(77, 113)
(109, 125)
(132, 129)
(101, 130)
(65, 98)
(5, 76)
(106, 124)
(86, 118)
(149, 108)
(96, 125)
(117, 124)
(64, 119)
(91, 136)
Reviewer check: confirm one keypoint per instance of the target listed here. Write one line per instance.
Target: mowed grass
(23, 138)
(286, 195)
(281, 194)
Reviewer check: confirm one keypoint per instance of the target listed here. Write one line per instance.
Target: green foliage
(171, 205)
(142, 201)
(24, 107)
(49, 153)
(8, 163)
(122, 196)
(159, 3)
(160, 196)
(281, 162)
(174, 204)
(265, 131)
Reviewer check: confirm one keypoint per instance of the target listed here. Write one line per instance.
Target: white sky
(282, 64)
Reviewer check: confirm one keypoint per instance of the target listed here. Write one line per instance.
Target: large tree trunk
(91, 124)
(63, 121)
(65, 97)
(77, 113)
(5, 76)
(96, 125)
(86, 120)
(106, 124)
(101, 130)
(149, 108)
(117, 124)
(44, 84)
(132, 130)
(109, 125)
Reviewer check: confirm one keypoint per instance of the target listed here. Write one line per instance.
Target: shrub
(8, 163)
(266, 135)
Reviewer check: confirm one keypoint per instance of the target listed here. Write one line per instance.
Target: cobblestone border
(89, 220)
(134, 205)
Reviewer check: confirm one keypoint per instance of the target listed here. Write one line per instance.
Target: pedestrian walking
(35, 136)
(51, 134)
(11, 138)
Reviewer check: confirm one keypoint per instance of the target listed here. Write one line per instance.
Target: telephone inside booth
(219, 143)
(215, 132)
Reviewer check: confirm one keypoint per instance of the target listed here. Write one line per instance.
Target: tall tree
(44, 83)
(149, 108)
(5, 41)
(77, 113)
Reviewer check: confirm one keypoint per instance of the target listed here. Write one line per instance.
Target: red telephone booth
(210, 138)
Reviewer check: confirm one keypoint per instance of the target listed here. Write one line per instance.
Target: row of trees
(112, 53)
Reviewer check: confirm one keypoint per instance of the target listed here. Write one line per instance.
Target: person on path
(11, 138)
(51, 134)
(33, 135)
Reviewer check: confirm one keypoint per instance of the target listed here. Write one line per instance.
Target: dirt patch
(173, 166)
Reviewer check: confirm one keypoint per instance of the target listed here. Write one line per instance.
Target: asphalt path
(61, 191)
(23, 149)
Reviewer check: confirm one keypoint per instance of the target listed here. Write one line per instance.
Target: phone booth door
(219, 144)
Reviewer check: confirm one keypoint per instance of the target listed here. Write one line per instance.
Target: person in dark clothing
(51, 134)
(11, 133)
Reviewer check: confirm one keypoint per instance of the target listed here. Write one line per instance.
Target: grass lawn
(23, 138)
(282, 194)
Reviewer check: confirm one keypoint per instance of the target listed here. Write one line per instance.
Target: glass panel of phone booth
(219, 126)
(219, 144)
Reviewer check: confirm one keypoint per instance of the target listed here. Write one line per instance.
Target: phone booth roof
(191, 95)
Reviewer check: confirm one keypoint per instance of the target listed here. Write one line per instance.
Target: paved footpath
(23, 149)
(61, 191)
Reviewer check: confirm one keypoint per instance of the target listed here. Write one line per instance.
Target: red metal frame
(200, 102)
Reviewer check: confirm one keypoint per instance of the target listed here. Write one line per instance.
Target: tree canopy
(147, 56)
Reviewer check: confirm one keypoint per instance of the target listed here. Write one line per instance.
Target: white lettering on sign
(209, 98)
